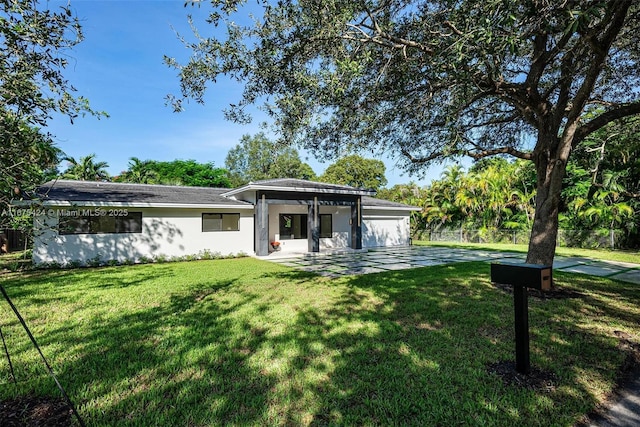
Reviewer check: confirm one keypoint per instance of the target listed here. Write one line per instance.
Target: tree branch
(476, 155)
(604, 119)
(600, 48)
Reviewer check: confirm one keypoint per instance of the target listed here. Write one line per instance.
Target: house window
(119, 222)
(326, 226)
(220, 222)
(293, 226)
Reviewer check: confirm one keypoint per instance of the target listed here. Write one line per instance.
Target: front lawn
(248, 342)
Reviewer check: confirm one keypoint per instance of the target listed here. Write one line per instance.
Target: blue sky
(119, 67)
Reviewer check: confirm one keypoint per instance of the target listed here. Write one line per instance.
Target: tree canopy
(35, 44)
(356, 171)
(138, 172)
(256, 158)
(86, 169)
(603, 182)
(175, 172)
(28, 157)
(426, 80)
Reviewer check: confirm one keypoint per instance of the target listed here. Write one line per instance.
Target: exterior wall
(169, 232)
(385, 228)
(341, 233)
(341, 230)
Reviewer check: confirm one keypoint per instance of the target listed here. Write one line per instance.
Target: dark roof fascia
(317, 188)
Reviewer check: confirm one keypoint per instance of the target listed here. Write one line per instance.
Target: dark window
(131, 223)
(122, 222)
(220, 222)
(293, 226)
(326, 225)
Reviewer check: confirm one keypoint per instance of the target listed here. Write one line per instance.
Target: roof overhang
(264, 187)
(392, 208)
(67, 204)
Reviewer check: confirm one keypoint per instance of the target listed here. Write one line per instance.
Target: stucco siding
(165, 232)
(341, 229)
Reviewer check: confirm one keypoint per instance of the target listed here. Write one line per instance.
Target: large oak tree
(427, 80)
(35, 48)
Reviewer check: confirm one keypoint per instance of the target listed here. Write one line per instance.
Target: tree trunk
(544, 232)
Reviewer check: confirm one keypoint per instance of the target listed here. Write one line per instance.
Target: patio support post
(313, 225)
(356, 224)
(262, 226)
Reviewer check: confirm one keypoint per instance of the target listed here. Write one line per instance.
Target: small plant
(95, 261)
(144, 260)
(13, 266)
(113, 262)
(74, 264)
(161, 259)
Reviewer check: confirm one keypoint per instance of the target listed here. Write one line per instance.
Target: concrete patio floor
(349, 262)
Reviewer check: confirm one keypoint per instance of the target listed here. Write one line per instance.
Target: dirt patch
(555, 293)
(35, 411)
(537, 379)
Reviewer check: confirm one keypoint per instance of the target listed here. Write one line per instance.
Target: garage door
(384, 231)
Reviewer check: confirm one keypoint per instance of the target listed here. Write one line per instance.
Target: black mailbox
(530, 275)
(522, 276)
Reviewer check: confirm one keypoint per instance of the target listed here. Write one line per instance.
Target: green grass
(14, 261)
(596, 254)
(248, 342)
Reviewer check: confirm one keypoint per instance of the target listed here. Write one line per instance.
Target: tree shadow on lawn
(407, 347)
(158, 366)
(437, 330)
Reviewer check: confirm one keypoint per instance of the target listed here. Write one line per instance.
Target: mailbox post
(521, 277)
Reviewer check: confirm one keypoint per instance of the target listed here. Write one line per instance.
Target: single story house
(77, 221)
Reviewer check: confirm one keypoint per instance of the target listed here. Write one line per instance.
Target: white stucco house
(78, 221)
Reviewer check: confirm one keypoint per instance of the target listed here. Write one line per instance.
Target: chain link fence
(602, 238)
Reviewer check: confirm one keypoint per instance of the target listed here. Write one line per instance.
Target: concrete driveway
(342, 263)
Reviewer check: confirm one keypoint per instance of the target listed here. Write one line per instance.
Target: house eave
(254, 187)
(391, 208)
(63, 204)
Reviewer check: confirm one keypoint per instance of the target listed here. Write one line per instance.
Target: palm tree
(86, 169)
(140, 172)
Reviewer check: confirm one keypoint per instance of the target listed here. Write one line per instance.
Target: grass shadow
(251, 342)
